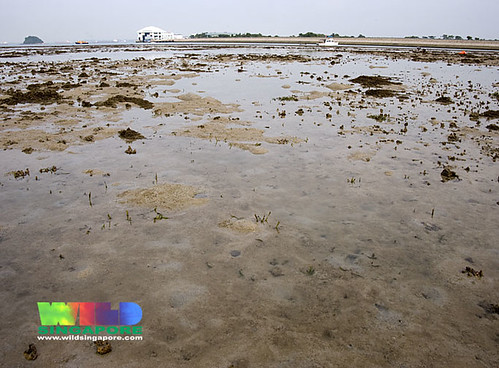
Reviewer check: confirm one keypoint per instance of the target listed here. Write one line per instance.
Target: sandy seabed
(265, 205)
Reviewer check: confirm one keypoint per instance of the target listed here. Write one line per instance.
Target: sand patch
(365, 156)
(339, 86)
(192, 103)
(240, 137)
(162, 82)
(37, 139)
(254, 148)
(95, 172)
(239, 225)
(164, 196)
(220, 131)
(313, 95)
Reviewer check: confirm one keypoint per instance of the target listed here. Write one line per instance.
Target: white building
(155, 34)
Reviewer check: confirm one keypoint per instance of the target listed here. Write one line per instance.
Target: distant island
(32, 40)
(220, 35)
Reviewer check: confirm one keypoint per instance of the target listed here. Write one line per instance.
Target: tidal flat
(265, 205)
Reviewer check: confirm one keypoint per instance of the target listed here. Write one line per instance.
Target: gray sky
(61, 20)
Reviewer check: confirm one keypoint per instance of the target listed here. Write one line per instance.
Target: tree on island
(32, 40)
(311, 34)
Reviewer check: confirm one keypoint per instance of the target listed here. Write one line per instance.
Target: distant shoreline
(346, 41)
(368, 41)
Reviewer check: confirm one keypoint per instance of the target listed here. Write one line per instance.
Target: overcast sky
(61, 20)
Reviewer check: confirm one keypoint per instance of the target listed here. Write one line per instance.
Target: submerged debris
(102, 347)
(20, 173)
(31, 353)
(380, 117)
(489, 308)
(472, 272)
(130, 151)
(52, 169)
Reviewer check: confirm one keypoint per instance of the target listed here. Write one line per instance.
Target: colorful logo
(66, 314)
(66, 318)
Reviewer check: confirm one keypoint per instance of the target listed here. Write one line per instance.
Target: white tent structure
(154, 34)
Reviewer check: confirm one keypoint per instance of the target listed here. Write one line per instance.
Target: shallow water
(360, 203)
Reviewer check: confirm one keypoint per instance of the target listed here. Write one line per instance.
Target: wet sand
(278, 206)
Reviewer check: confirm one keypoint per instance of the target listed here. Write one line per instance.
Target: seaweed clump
(447, 174)
(491, 114)
(372, 81)
(37, 93)
(130, 135)
(381, 93)
(115, 100)
(444, 100)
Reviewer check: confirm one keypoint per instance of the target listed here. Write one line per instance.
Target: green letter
(57, 313)
(87, 330)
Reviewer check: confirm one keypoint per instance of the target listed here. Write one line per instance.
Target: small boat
(81, 42)
(329, 42)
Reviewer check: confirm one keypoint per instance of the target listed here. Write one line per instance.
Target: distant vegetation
(226, 35)
(446, 37)
(32, 40)
(248, 35)
(319, 35)
(335, 35)
(311, 34)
